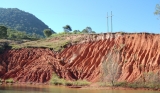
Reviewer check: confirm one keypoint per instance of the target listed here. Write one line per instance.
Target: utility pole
(111, 22)
(107, 23)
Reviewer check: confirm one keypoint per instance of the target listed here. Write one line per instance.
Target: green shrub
(136, 85)
(122, 84)
(81, 83)
(56, 80)
(10, 80)
(69, 83)
(133, 85)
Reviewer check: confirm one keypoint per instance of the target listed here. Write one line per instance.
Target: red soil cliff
(139, 53)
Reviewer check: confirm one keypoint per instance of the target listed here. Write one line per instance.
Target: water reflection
(55, 89)
(22, 89)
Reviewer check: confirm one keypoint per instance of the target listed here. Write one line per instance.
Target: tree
(93, 32)
(3, 32)
(67, 28)
(89, 29)
(110, 67)
(157, 12)
(76, 31)
(14, 34)
(84, 31)
(47, 32)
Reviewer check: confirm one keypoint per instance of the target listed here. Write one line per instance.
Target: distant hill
(21, 20)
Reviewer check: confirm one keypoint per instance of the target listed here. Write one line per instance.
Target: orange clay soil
(139, 53)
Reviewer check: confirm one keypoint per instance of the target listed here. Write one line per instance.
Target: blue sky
(129, 15)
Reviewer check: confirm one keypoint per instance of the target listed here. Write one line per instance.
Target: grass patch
(122, 84)
(81, 83)
(55, 80)
(131, 85)
(104, 84)
(10, 80)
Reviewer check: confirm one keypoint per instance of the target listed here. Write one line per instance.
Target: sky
(128, 15)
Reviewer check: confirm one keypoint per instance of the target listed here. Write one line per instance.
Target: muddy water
(55, 89)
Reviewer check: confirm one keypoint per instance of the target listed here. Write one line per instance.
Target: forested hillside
(22, 21)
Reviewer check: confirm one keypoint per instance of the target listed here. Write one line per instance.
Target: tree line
(7, 33)
(68, 29)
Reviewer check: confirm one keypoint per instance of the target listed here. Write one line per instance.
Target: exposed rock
(28, 65)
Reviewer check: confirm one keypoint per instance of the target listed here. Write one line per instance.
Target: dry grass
(57, 42)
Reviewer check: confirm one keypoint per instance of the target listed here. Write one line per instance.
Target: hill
(22, 21)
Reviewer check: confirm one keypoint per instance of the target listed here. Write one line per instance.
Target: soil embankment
(139, 53)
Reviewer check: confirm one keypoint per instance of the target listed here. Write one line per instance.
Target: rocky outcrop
(138, 53)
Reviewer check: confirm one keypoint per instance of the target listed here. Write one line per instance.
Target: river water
(55, 89)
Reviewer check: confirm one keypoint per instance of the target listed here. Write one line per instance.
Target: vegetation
(22, 21)
(67, 28)
(56, 80)
(110, 67)
(88, 30)
(10, 80)
(59, 81)
(20, 39)
(10, 38)
(47, 32)
(157, 11)
(81, 83)
(3, 31)
(19, 35)
(136, 84)
(110, 73)
(57, 42)
(150, 80)
(76, 32)
(3, 45)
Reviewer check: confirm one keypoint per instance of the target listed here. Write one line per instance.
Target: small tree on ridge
(47, 32)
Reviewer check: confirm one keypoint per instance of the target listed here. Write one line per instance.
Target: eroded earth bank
(138, 53)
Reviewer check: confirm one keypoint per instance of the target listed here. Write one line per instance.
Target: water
(55, 89)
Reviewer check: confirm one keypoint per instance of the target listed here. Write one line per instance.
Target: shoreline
(119, 88)
(96, 87)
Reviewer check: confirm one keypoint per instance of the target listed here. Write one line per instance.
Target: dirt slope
(139, 53)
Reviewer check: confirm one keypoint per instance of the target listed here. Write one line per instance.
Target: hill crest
(17, 19)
